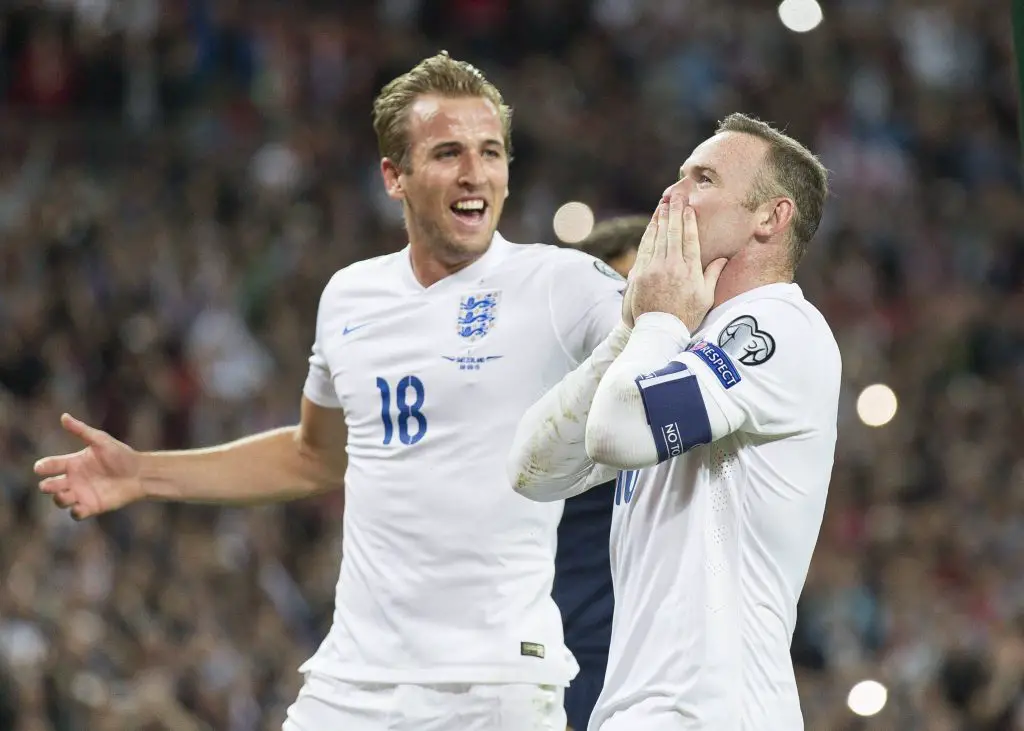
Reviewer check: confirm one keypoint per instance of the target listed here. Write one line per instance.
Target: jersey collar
(787, 290)
(496, 252)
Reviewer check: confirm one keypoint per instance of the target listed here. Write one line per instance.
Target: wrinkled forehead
(735, 156)
(434, 118)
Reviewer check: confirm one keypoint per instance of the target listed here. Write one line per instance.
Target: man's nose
(683, 187)
(472, 172)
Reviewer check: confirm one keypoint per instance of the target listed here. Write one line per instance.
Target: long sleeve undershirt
(593, 423)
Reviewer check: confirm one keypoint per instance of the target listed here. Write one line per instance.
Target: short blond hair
(789, 170)
(441, 75)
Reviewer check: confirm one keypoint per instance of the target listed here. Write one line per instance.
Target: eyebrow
(700, 169)
(449, 144)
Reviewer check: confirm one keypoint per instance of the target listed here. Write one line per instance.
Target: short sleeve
(319, 386)
(773, 369)
(585, 301)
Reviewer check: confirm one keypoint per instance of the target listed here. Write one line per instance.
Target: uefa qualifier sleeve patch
(745, 341)
(675, 410)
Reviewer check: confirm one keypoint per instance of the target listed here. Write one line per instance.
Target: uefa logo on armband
(478, 313)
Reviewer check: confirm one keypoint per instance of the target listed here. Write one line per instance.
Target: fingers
(674, 239)
(661, 241)
(57, 487)
(50, 466)
(712, 273)
(53, 485)
(80, 429)
(64, 499)
(689, 235)
(58, 464)
(646, 250)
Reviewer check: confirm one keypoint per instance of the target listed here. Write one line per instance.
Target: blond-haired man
(423, 362)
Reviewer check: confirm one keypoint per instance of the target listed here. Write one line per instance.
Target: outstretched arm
(283, 464)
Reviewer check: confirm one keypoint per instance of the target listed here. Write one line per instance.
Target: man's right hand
(102, 477)
(643, 258)
(671, 278)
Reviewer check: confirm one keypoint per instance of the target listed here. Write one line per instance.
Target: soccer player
(719, 413)
(583, 578)
(422, 364)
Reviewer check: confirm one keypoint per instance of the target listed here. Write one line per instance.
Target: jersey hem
(469, 674)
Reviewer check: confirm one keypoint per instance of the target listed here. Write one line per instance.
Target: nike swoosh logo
(348, 329)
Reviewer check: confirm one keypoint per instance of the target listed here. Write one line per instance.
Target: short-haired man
(718, 414)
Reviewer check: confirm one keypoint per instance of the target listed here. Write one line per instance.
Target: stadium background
(179, 179)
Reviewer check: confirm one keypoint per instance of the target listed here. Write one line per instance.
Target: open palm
(101, 477)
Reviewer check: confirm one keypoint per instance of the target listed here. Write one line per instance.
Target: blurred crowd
(179, 179)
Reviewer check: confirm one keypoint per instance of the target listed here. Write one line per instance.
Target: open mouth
(470, 211)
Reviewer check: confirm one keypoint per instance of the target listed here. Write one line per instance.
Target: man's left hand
(670, 278)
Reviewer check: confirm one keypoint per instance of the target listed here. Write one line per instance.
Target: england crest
(477, 314)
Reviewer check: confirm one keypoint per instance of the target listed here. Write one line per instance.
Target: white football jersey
(446, 573)
(710, 548)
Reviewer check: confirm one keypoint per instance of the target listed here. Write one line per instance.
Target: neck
(430, 266)
(745, 272)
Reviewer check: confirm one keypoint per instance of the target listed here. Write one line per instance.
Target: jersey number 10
(406, 410)
(625, 485)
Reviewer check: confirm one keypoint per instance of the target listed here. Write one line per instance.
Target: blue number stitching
(625, 485)
(385, 409)
(405, 410)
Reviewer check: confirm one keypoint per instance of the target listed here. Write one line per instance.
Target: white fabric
(326, 703)
(710, 550)
(547, 461)
(445, 570)
(617, 433)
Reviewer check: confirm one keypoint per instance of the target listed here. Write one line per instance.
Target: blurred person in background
(422, 362)
(583, 579)
(615, 242)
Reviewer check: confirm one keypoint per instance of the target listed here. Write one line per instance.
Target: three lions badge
(478, 313)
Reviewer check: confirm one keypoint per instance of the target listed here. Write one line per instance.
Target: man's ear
(392, 175)
(773, 217)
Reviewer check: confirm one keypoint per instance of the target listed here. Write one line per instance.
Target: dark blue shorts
(581, 695)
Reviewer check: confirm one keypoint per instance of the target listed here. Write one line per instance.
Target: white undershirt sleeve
(649, 406)
(548, 460)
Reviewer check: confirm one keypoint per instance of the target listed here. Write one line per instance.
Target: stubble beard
(448, 252)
